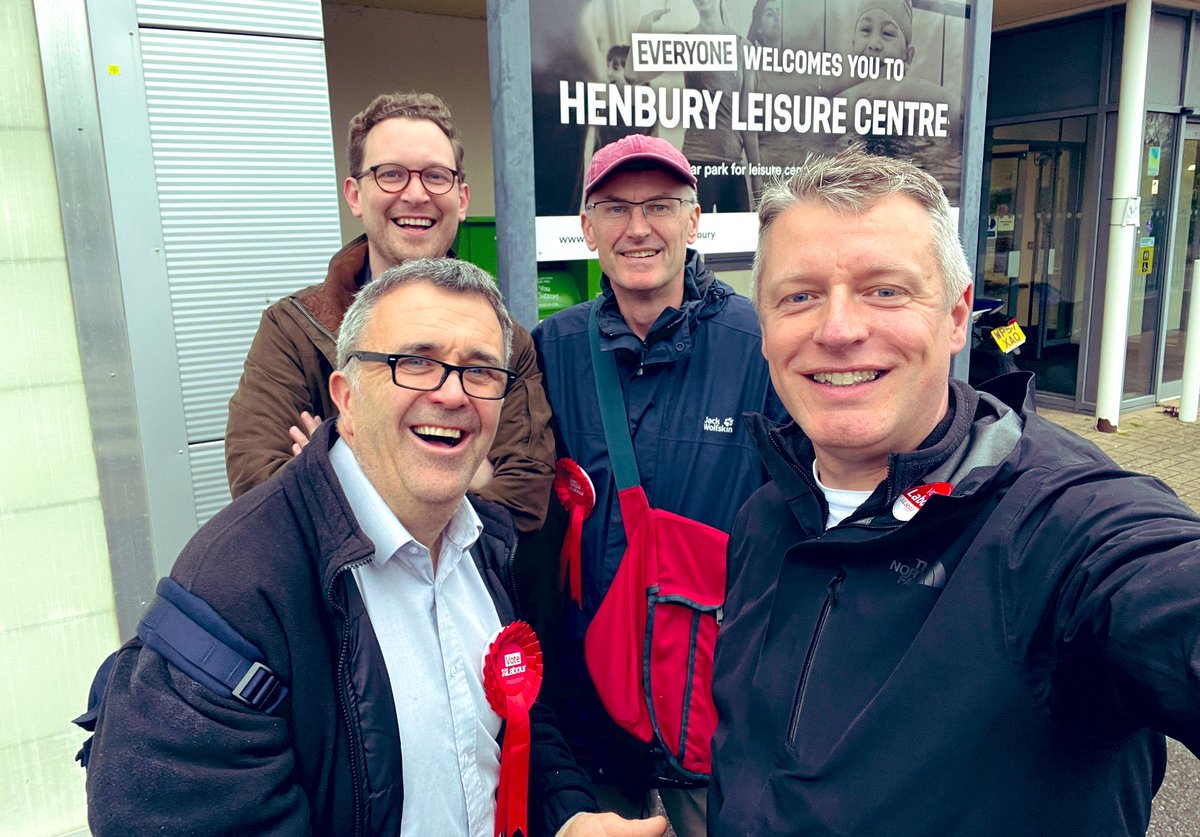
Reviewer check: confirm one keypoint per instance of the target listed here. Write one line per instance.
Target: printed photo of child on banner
(746, 89)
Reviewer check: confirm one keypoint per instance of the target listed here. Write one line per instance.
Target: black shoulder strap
(190, 634)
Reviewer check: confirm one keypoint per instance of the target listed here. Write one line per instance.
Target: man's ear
(340, 390)
(694, 223)
(464, 200)
(960, 314)
(353, 196)
(908, 57)
(588, 236)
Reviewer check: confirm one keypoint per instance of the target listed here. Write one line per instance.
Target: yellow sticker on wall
(114, 69)
(1145, 260)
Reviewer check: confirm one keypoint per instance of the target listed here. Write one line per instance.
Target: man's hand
(300, 435)
(612, 825)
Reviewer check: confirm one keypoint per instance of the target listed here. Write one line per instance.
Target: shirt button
(679, 346)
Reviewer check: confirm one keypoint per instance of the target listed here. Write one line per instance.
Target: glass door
(1185, 250)
(1031, 258)
(1149, 268)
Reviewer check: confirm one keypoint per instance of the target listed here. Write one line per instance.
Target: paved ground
(1153, 442)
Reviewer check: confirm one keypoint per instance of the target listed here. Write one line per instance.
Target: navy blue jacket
(170, 756)
(993, 666)
(686, 388)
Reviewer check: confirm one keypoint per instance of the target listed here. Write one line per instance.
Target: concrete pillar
(1191, 353)
(1126, 206)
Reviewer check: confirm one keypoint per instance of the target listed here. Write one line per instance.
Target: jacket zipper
(831, 597)
(510, 579)
(804, 476)
(357, 769)
(311, 318)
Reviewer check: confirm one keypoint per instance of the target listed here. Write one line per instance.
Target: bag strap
(612, 408)
(195, 638)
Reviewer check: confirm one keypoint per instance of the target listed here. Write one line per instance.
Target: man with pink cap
(688, 362)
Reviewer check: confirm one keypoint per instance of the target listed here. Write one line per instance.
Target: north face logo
(920, 573)
(716, 425)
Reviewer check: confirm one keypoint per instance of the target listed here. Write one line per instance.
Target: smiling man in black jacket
(372, 587)
(944, 615)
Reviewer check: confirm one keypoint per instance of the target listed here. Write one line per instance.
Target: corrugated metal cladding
(248, 196)
(211, 489)
(298, 18)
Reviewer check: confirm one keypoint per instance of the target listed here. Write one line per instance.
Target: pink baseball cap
(633, 148)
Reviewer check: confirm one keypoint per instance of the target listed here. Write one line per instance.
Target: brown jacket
(287, 371)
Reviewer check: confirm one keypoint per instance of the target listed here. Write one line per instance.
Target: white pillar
(1191, 353)
(1126, 208)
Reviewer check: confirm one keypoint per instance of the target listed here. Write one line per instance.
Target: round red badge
(912, 501)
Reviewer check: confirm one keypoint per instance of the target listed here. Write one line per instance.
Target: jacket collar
(310, 483)
(349, 270)
(980, 429)
(671, 336)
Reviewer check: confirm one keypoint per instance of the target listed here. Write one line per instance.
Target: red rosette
(512, 677)
(575, 491)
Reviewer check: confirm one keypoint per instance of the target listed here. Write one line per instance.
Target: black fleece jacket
(169, 756)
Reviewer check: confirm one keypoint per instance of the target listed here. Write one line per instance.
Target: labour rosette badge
(512, 676)
(575, 491)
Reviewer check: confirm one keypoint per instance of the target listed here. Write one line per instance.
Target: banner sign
(746, 89)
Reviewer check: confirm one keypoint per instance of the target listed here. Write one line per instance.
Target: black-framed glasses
(612, 213)
(426, 374)
(393, 177)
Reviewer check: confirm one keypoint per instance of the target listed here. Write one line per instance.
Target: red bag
(649, 648)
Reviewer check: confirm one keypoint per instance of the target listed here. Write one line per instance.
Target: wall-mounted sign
(746, 89)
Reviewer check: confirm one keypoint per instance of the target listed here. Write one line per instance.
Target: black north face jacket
(1003, 663)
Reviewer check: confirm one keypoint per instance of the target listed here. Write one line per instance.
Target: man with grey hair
(944, 614)
(372, 587)
(685, 368)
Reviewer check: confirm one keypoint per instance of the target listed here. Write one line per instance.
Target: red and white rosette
(512, 676)
(575, 491)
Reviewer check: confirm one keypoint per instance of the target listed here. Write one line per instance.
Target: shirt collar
(377, 520)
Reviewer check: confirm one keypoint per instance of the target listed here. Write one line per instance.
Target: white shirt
(432, 631)
(842, 502)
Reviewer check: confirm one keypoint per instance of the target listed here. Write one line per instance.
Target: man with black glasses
(688, 365)
(372, 587)
(408, 185)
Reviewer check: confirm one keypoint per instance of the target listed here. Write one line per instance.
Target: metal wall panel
(209, 485)
(243, 161)
(298, 18)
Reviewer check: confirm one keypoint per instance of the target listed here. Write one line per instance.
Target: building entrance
(1031, 258)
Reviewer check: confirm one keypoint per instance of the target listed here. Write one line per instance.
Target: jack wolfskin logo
(920, 573)
(716, 425)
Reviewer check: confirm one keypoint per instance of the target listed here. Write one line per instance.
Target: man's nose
(450, 393)
(843, 321)
(638, 226)
(414, 190)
